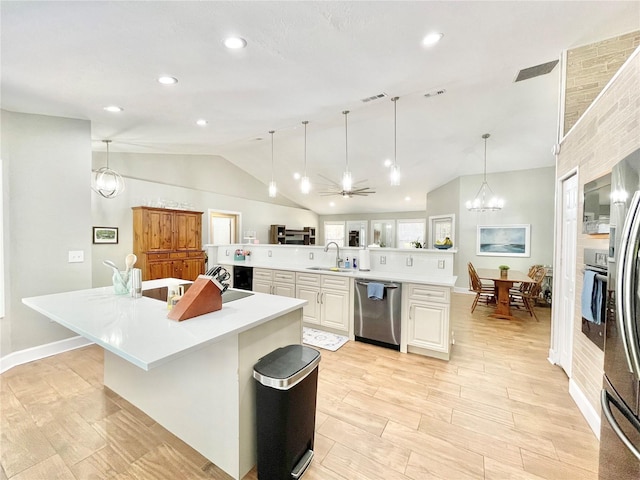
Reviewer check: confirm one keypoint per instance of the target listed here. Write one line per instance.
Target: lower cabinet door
(284, 290)
(311, 311)
(334, 306)
(261, 286)
(159, 270)
(428, 326)
(191, 268)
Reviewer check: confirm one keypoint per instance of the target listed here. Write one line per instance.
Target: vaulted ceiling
(308, 61)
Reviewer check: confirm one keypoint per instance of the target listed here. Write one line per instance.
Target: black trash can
(286, 390)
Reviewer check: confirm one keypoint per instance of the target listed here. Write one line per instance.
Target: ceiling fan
(335, 188)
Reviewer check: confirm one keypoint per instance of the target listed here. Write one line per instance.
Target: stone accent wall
(608, 132)
(590, 68)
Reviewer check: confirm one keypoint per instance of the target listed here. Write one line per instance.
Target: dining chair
(482, 290)
(527, 293)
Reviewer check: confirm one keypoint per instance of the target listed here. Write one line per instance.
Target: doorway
(224, 227)
(565, 266)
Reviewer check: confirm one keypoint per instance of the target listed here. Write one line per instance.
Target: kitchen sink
(330, 269)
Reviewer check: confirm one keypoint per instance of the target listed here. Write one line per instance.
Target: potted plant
(504, 271)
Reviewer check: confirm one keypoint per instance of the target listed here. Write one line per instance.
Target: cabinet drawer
(196, 254)
(430, 293)
(157, 256)
(262, 274)
(310, 279)
(339, 283)
(178, 255)
(284, 276)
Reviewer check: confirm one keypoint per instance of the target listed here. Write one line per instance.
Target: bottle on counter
(355, 265)
(347, 263)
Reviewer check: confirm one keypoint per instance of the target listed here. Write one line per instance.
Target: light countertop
(427, 279)
(139, 331)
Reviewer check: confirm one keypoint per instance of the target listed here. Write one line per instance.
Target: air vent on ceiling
(531, 72)
(374, 97)
(435, 93)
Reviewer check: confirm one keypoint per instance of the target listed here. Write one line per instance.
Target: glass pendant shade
(347, 182)
(106, 182)
(305, 185)
(485, 200)
(394, 176)
(273, 190)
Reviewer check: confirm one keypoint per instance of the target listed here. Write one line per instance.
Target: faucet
(338, 259)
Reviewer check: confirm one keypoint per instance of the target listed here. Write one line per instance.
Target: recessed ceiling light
(332, 204)
(235, 42)
(408, 199)
(296, 176)
(202, 122)
(432, 39)
(167, 80)
(113, 108)
(387, 162)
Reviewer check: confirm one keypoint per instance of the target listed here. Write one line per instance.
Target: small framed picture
(105, 234)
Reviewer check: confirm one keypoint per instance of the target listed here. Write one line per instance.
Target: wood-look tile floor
(496, 410)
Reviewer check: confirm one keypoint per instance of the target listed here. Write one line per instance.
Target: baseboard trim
(587, 410)
(463, 290)
(42, 351)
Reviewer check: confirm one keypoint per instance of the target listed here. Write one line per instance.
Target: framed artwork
(504, 240)
(105, 234)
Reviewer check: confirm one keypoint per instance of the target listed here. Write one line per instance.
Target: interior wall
(47, 213)
(608, 132)
(529, 197)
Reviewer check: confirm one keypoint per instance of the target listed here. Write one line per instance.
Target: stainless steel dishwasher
(377, 321)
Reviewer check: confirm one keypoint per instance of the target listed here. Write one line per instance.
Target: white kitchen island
(193, 377)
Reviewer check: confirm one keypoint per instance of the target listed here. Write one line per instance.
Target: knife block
(204, 296)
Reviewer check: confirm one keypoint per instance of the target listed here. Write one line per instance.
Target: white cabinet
(329, 299)
(274, 282)
(427, 319)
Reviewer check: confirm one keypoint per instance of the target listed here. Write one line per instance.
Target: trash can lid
(286, 366)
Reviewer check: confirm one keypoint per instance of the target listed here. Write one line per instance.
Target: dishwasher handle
(386, 285)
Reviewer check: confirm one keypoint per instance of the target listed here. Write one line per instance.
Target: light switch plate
(226, 252)
(440, 264)
(269, 253)
(76, 256)
(383, 260)
(409, 262)
(310, 255)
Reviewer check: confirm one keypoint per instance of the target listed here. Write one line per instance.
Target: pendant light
(106, 182)
(485, 200)
(273, 190)
(305, 184)
(347, 181)
(395, 171)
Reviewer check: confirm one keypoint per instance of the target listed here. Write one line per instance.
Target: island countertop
(139, 331)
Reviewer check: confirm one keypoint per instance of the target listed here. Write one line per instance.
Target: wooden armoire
(168, 243)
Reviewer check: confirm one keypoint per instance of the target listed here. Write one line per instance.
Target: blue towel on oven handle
(589, 289)
(375, 291)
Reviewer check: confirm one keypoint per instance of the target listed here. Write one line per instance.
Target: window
(334, 232)
(441, 227)
(409, 231)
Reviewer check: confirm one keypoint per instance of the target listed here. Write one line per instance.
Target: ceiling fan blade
(337, 185)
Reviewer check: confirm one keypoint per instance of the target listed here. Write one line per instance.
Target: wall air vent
(374, 97)
(435, 93)
(531, 72)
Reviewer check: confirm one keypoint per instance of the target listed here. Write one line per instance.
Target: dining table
(502, 286)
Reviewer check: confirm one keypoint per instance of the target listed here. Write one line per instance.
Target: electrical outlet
(409, 261)
(269, 253)
(76, 256)
(383, 260)
(310, 255)
(440, 264)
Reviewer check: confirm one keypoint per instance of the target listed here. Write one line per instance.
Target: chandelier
(485, 200)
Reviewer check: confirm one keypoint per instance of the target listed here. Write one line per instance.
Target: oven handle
(605, 399)
(386, 285)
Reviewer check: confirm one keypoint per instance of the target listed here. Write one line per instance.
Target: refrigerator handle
(624, 287)
(605, 400)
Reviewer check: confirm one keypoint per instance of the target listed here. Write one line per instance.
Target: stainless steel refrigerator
(620, 420)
